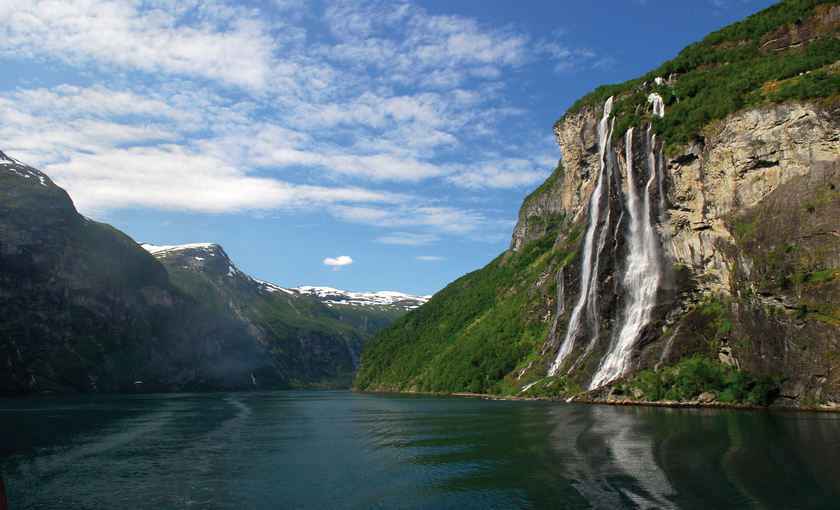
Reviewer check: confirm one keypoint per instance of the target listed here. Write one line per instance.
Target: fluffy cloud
(447, 220)
(502, 173)
(338, 262)
(174, 177)
(227, 44)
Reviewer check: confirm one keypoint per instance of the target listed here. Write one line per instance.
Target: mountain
(84, 308)
(382, 299)
(314, 334)
(685, 248)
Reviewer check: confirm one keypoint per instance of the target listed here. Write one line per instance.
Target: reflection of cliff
(667, 458)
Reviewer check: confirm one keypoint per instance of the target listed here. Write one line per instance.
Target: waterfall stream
(642, 270)
(642, 273)
(588, 269)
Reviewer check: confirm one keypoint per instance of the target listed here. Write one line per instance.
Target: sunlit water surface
(324, 449)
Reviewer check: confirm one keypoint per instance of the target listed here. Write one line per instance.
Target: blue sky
(303, 135)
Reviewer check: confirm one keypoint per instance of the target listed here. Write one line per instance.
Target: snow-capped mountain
(388, 298)
(211, 256)
(198, 256)
(22, 170)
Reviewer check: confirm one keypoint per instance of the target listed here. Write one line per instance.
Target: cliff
(687, 244)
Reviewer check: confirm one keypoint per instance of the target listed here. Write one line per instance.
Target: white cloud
(230, 45)
(448, 220)
(441, 50)
(501, 173)
(338, 262)
(429, 258)
(175, 177)
(566, 57)
(407, 239)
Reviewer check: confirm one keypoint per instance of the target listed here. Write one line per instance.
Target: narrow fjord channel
(336, 449)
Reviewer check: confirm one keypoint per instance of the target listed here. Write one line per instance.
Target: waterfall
(589, 272)
(642, 273)
(658, 104)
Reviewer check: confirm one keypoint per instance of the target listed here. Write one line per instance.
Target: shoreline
(622, 403)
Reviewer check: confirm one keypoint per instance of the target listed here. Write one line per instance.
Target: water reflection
(340, 450)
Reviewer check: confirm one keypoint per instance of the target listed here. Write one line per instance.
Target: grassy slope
(472, 333)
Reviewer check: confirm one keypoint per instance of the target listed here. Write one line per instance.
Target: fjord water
(333, 449)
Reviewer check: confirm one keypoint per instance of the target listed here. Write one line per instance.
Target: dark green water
(343, 450)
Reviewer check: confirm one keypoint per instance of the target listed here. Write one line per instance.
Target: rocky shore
(830, 407)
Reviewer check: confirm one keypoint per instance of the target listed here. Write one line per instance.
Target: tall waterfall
(589, 267)
(642, 273)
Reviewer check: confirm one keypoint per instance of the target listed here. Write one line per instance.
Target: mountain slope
(703, 239)
(84, 308)
(307, 340)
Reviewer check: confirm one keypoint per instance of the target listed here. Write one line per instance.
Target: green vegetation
(818, 277)
(554, 387)
(471, 334)
(546, 186)
(697, 374)
(717, 311)
(727, 71)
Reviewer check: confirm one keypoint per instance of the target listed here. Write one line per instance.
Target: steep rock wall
(750, 222)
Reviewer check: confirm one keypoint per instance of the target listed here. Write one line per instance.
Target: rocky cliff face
(750, 221)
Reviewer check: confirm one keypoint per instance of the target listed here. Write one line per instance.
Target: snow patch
(333, 296)
(154, 249)
(21, 170)
(271, 288)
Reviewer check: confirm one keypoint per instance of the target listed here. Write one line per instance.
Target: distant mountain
(84, 308)
(206, 255)
(321, 339)
(382, 299)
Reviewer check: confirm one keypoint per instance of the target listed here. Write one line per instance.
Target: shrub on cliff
(697, 374)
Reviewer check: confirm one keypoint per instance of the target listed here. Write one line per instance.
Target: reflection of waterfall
(642, 274)
(609, 454)
(642, 269)
(589, 271)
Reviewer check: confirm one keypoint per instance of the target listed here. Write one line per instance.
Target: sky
(360, 145)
